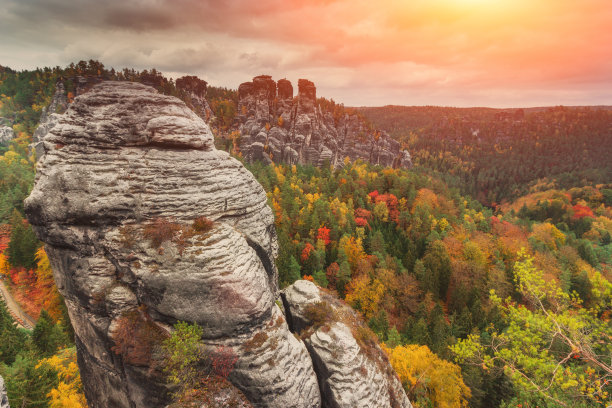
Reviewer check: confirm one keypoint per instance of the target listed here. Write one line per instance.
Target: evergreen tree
(23, 244)
(47, 336)
(295, 270)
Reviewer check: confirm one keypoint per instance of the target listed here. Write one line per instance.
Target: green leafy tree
(182, 352)
(553, 348)
(295, 270)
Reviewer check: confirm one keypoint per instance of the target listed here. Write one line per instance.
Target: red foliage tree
(332, 272)
(581, 211)
(392, 205)
(323, 235)
(306, 252)
(361, 222)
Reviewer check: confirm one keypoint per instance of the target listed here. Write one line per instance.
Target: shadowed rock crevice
(352, 370)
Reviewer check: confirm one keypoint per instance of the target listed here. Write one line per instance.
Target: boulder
(352, 369)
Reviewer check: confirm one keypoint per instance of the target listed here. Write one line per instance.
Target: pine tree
(23, 244)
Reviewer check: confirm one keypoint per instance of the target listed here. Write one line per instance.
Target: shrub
(223, 361)
(202, 225)
(138, 338)
(161, 230)
(320, 314)
(182, 353)
(256, 342)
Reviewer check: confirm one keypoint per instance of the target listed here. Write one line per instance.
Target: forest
(485, 271)
(497, 155)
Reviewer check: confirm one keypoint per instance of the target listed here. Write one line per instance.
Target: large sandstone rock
(122, 164)
(276, 127)
(353, 371)
(3, 397)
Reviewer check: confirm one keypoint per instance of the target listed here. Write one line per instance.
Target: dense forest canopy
(495, 155)
(485, 269)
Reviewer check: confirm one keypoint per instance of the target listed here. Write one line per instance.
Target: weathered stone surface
(352, 372)
(6, 134)
(4, 403)
(49, 117)
(299, 131)
(122, 158)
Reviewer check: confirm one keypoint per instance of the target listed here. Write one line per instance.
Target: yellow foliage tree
(365, 295)
(4, 265)
(49, 297)
(353, 248)
(549, 235)
(426, 377)
(69, 391)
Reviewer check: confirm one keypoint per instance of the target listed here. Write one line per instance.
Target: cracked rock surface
(353, 371)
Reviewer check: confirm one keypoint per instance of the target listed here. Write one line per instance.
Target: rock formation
(3, 398)
(353, 371)
(126, 189)
(277, 127)
(6, 134)
(195, 93)
(48, 118)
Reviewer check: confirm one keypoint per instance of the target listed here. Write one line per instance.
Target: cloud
(445, 52)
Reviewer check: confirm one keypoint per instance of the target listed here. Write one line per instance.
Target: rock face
(3, 398)
(49, 117)
(353, 371)
(122, 164)
(195, 91)
(277, 127)
(6, 134)
(126, 189)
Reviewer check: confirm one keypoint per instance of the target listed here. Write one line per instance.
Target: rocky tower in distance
(125, 175)
(277, 127)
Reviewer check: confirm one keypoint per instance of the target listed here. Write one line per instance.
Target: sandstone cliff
(125, 176)
(277, 127)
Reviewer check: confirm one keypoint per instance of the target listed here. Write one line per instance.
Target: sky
(497, 53)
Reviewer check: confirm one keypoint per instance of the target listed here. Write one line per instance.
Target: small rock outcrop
(6, 134)
(121, 165)
(352, 369)
(4, 403)
(276, 127)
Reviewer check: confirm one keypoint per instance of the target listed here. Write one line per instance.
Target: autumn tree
(554, 349)
(427, 378)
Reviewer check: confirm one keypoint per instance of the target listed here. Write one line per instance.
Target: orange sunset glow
(444, 52)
